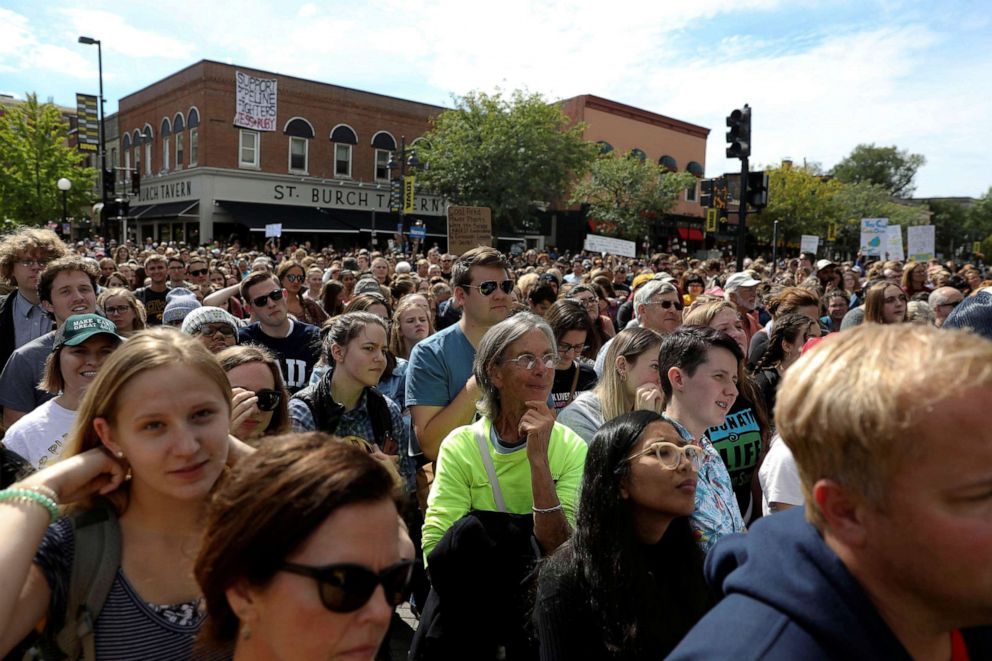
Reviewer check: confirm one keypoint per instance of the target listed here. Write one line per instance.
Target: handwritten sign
(920, 242)
(609, 245)
(894, 243)
(255, 102)
(273, 229)
(809, 243)
(874, 236)
(469, 227)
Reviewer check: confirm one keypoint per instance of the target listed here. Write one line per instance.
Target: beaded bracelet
(30, 495)
(549, 510)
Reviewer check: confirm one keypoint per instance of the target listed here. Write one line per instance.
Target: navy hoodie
(786, 595)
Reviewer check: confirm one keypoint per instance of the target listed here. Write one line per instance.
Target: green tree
(799, 198)
(514, 155)
(979, 218)
(33, 157)
(853, 202)
(891, 168)
(627, 193)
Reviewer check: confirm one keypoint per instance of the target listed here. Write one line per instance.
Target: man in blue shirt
(440, 389)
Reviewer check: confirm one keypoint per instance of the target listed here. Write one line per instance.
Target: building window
(148, 157)
(381, 165)
(248, 150)
(342, 160)
(165, 153)
(669, 163)
(194, 135)
(180, 139)
(638, 154)
(298, 155)
(690, 193)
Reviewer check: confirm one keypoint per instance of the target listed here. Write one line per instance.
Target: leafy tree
(891, 168)
(799, 198)
(33, 157)
(514, 155)
(626, 193)
(865, 200)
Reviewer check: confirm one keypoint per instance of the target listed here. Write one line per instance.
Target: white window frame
(180, 148)
(306, 155)
(194, 140)
(254, 165)
(335, 164)
(375, 165)
(148, 157)
(165, 154)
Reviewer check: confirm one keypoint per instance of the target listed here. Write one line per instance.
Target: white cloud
(21, 50)
(117, 35)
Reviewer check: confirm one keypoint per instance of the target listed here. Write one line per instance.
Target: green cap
(80, 327)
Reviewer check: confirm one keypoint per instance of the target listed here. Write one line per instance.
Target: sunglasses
(666, 305)
(670, 456)
(489, 286)
(268, 400)
(198, 272)
(296, 278)
(259, 301)
(345, 588)
(210, 331)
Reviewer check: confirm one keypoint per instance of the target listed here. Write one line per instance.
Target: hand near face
(649, 397)
(536, 424)
(242, 407)
(95, 471)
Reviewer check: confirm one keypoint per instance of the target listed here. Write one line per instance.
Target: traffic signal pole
(742, 216)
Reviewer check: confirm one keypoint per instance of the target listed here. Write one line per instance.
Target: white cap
(738, 280)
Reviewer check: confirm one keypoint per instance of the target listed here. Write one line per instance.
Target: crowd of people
(219, 452)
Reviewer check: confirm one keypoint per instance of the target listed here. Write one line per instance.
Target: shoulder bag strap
(487, 461)
(575, 383)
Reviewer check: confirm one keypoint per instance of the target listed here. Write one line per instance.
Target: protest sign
(873, 236)
(469, 227)
(893, 248)
(606, 244)
(255, 102)
(920, 242)
(809, 243)
(273, 229)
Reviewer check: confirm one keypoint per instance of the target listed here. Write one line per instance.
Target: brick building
(310, 156)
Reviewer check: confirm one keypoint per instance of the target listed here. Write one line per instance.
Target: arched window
(638, 154)
(300, 132)
(193, 122)
(604, 147)
(126, 148)
(166, 132)
(344, 139)
(149, 137)
(178, 126)
(694, 169)
(383, 143)
(669, 163)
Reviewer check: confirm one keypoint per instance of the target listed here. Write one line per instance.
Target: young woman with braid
(784, 347)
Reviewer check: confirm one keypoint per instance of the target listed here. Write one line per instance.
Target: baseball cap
(640, 279)
(367, 285)
(80, 327)
(824, 263)
(738, 280)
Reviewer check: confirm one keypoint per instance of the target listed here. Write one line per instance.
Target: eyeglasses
(588, 302)
(666, 305)
(268, 400)
(210, 331)
(295, 278)
(34, 263)
(529, 362)
(670, 456)
(345, 588)
(198, 272)
(489, 286)
(565, 347)
(116, 310)
(259, 301)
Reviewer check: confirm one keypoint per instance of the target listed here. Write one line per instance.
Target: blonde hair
(847, 408)
(702, 313)
(632, 344)
(397, 343)
(144, 351)
(140, 316)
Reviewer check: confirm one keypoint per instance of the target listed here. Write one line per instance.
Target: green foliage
(514, 155)
(865, 200)
(800, 199)
(627, 194)
(888, 167)
(33, 157)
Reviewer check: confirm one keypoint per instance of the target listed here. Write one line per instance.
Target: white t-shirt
(40, 435)
(779, 477)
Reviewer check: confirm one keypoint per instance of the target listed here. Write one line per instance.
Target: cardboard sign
(874, 236)
(273, 229)
(469, 227)
(920, 242)
(894, 243)
(609, 245)
(255, 102)
(809, 243)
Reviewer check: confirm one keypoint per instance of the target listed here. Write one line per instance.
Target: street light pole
(64, 186)
(89, 41)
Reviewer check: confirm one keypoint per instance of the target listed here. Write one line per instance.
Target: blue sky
(821, 77)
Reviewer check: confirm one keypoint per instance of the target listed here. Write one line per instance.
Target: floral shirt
(717, 513)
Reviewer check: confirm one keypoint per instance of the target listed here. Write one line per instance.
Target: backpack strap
(94, 567)
(382, 421)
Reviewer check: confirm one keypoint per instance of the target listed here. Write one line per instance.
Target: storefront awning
(690, 234)
(256, 216)
(185, 209)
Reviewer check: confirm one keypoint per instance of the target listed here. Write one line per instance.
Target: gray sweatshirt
(584, 415)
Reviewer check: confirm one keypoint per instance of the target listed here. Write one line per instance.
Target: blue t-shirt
(439, 367)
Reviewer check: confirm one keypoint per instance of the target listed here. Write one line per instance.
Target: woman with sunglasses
(150, 443)
(630, 382)
(212, 326)
(301, 555)
(571, 326)
(292, 277)
(259, 406)
(122, 307)
(629, 583)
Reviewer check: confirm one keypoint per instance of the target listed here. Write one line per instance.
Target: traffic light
(109, 185)
(136, 179)
(706, 192)
(757, 189)
(739, 135)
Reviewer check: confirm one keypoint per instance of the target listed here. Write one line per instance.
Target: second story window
(298, 155)
(193, 123)
(383, 143)
(248, 149)
(344, 138)
(300, 133)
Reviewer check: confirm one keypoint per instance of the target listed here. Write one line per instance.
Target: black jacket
(7, 338)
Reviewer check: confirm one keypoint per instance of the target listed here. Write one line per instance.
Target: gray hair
(493, 347)
(649, 290)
